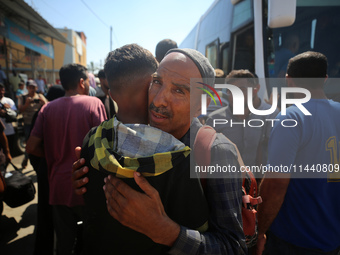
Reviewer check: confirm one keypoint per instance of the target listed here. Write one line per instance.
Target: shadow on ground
(9, 228)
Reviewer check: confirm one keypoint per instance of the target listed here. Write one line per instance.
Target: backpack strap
(205, 137)
(202, 145)
(250, 197)
(255, 200)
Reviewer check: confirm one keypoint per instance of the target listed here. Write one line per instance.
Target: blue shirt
(2, 76)
(19, 92)
(309, 216)
(41, 85)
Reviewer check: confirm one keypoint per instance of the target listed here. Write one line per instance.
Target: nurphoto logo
(239, 103)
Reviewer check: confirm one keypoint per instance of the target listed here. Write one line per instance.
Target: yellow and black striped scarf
(104, 150)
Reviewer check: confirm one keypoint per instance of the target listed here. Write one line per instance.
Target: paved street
(17, 224)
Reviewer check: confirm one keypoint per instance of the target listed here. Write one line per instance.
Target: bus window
(243, 14)
(315, 28)
(225, 58)
(211, 52)
(244, 51)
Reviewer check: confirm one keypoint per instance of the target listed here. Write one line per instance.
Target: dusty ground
(17, 224)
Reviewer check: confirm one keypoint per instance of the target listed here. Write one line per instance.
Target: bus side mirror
(281, 13)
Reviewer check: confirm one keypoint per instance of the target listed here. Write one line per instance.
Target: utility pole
(110, 38)
(53, 72)
(7, 85)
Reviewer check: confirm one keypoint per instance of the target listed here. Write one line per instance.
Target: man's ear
(290, 81)
(81, 83)
(110, 94)
(208, 101)
(325, 79)
(256, 89)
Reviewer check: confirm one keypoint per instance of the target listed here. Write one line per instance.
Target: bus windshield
(316, 28)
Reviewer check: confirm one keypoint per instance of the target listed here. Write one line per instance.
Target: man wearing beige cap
(28, 104)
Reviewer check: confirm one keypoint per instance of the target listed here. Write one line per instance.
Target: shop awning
(25, 16)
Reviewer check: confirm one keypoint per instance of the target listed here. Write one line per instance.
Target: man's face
(31, 89)
(87, 85)
(104, 85)
(169, 94)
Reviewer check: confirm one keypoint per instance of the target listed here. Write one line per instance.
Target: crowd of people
(121, 163)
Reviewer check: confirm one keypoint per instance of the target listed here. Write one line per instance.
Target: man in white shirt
(41, 85)
(6, 102)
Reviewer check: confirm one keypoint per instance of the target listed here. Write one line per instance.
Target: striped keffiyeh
(122, 149)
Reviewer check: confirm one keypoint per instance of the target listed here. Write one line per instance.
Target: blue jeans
(277, 246)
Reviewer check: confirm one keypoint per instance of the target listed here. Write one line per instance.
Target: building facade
(32, 63)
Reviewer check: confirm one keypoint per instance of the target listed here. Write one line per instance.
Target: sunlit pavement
(17, 224)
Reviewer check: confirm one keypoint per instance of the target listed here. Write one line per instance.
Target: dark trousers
(277, 246)
(68, 232)
(11, 142)
(44, 230)
(27, 130)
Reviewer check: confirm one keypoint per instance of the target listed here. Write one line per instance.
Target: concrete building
(30, 45)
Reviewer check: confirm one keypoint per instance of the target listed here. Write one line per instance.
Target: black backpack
(19, 189)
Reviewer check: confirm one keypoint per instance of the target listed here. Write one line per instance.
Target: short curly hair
(71, 74)
(126, 63)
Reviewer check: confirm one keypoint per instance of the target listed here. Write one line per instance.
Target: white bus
(252, 34)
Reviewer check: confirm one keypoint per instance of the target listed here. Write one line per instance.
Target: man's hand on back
(78, 171)
(142, 212)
